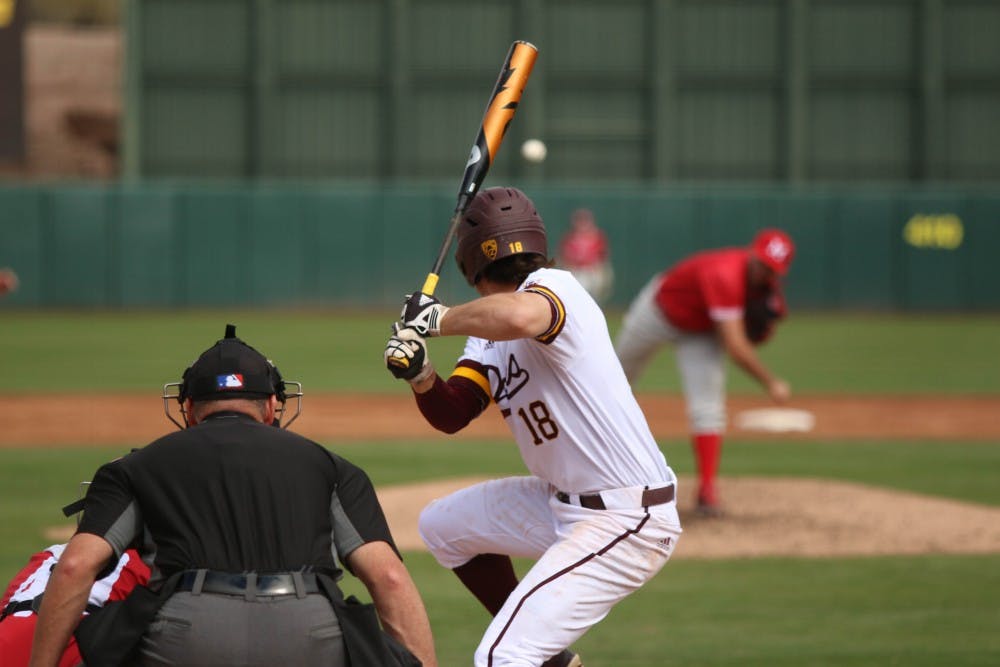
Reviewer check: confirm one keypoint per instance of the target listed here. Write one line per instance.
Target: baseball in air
(534, 150)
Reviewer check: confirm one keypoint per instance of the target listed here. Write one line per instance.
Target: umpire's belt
(249, 585)
(620, 499)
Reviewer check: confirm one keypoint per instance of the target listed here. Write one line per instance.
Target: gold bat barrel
(507, 94)
(497, 118)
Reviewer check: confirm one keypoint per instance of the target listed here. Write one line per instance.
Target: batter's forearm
(425, 385)
(499, 317)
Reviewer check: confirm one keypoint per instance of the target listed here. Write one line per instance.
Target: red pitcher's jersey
(706, 288)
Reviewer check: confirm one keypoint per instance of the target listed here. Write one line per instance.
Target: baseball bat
(499, 113)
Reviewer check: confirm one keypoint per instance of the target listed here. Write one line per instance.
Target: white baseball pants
(587, 560)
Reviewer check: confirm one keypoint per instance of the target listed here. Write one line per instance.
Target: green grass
(906, 611)
(968, 471)
(919, 610)
(868, 354)
(112, 351)
(337, 351)
(36, 483)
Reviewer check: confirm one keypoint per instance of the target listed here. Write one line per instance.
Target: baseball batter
(714, 303)
(598, 511)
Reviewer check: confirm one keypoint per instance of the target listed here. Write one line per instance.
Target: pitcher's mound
(767, 517)
(781, 517)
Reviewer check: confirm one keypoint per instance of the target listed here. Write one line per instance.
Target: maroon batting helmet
(499, 222)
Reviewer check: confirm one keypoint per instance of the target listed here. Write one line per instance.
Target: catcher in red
(712, 304)
(20, 602)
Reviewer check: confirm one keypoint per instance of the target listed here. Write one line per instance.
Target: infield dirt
(764, 516)
(97, 420)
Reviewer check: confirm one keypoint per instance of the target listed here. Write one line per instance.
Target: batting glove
(406, 355)
(423, 313)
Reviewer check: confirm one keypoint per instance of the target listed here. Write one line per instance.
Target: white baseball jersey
(566, 399)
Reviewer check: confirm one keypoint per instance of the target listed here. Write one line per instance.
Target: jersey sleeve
(557, 312)
(110, 510)
(356, 514)
(450, 405)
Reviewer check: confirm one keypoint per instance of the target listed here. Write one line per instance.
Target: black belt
(34, 605)
(650, 497)
(251, 584)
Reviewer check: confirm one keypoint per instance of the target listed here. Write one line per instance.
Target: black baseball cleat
(708, 510)
(564, 659)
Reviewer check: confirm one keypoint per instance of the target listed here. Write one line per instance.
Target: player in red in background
(583, 251)
(19, 606)
(711, 304)
(8, 281)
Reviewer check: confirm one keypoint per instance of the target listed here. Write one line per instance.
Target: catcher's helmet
(499, 222)
(231, 369)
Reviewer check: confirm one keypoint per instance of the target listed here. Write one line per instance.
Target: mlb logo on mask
(231, 381)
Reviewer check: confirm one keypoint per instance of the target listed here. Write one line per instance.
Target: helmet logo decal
(489, 248)
(231, 381)
(777, 250)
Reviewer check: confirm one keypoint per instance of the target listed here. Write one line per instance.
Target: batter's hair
(514, 269)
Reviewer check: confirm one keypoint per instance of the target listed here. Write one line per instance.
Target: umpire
(239, 521)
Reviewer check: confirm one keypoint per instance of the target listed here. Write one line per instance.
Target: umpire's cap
(231, 369)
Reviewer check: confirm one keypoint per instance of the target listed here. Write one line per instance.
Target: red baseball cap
(775, 248)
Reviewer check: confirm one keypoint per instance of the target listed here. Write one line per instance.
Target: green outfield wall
(778, 91)
(166, 245)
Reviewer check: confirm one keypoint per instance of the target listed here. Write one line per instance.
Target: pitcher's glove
(423, 313)
(406, 355)
(761, 315)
